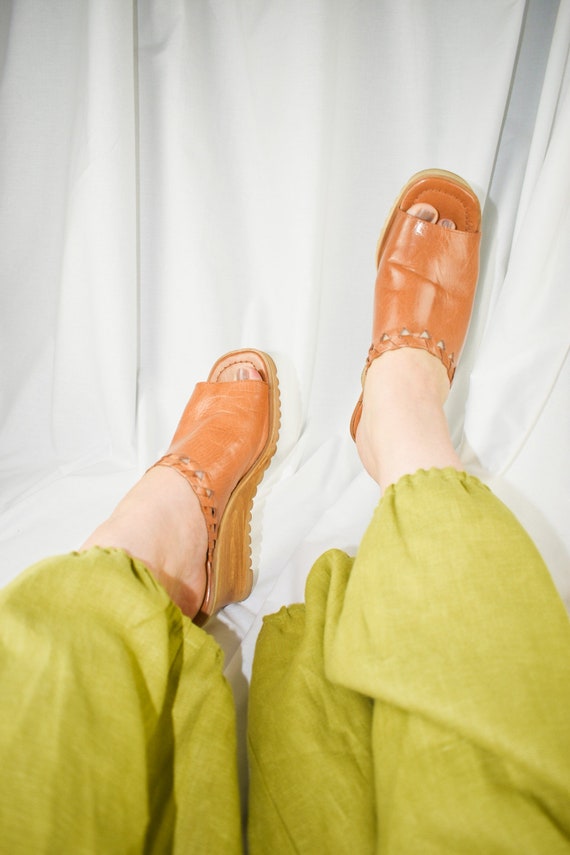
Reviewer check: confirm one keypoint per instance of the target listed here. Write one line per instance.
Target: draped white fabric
(183, 177)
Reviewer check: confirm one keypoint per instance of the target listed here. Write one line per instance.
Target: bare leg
(161, 523)
(403, 426)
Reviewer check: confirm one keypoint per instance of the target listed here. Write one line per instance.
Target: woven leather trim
(393, 340)
(200, 482)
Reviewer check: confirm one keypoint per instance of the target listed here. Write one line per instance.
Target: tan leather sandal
(222, 446)
(427, 274)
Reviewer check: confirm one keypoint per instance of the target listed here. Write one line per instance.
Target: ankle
(160, 523)
(408, 375)
(403, 426)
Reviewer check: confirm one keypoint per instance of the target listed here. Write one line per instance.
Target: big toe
(240, 371)
(424, 211)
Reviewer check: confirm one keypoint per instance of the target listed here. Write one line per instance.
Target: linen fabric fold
(419, 701)
(117, 727)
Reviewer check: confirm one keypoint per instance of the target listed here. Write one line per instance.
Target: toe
(239, 371)
(248, 372)
(424, 211)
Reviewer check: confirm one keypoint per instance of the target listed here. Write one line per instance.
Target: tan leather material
(427, 274)
(222, 445)
(221, 433)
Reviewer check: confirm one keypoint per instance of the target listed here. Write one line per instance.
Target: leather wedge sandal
(426, 274)
(222, 446)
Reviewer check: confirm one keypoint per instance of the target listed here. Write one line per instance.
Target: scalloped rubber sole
(231, 575)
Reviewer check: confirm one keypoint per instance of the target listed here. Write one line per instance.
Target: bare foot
(160, 522)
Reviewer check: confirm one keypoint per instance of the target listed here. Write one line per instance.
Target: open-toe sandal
(223, 444)
(426, 273)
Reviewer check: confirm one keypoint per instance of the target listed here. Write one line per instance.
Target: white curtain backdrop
(183, 177)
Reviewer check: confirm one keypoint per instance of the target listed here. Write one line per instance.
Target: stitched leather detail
(201, 483)
(393, 340)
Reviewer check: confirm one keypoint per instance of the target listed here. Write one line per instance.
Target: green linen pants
(419, 702)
